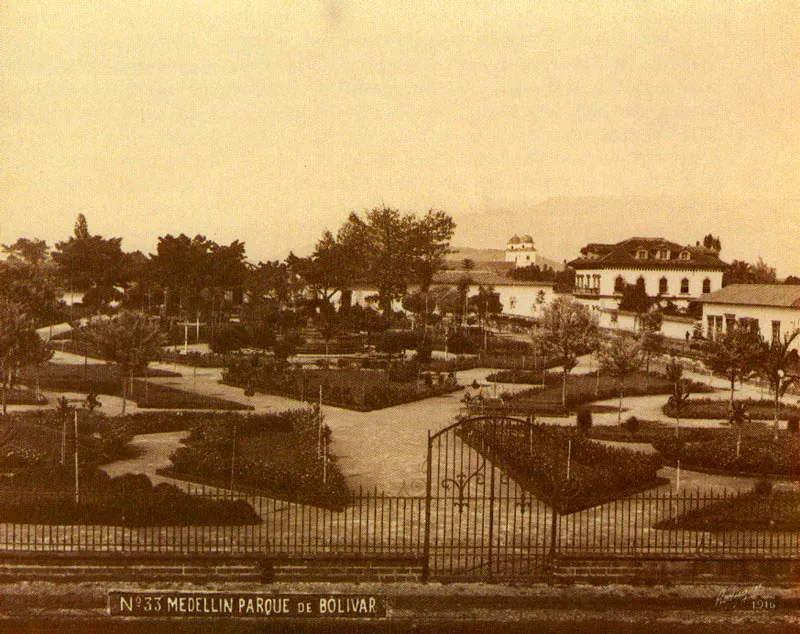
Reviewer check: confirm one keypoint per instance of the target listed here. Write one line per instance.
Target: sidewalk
(430, 607)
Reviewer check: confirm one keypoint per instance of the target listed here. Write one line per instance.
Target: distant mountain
(748, 228)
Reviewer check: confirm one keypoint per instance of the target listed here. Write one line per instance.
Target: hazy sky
(270, 121)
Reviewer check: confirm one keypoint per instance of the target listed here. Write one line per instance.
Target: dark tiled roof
(483, 278)
(623, 254)
(782, 295)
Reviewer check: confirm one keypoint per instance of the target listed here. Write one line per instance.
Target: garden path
(386, 449)
(152, 452)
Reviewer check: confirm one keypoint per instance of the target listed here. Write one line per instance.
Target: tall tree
(567, 329)
(392, 249)
(128, 342)
(620, 357)
(89, 262)
(27, 276)
(712, 242)
(15, 326)
(740, 272)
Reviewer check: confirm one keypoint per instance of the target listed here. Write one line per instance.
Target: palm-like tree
(737, 418)
(680, 390)
(128, 342)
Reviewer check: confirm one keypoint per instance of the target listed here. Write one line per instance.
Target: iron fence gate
(479, 523)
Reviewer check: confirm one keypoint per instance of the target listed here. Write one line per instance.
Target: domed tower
(521, 251)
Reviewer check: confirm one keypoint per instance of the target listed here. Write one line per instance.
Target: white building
(772, 309)
(520, 251)
(664, 269)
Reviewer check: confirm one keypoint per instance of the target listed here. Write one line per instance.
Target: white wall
(789, 318)
(652, 278)
(521, 300)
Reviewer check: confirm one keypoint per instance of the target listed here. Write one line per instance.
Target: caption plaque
(245, 604)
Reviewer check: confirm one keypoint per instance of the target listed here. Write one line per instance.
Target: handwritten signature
(727, 596)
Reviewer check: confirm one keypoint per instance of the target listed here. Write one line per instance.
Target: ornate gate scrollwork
(461, 482)
(480, 523)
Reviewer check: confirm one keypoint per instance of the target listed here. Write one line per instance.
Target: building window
(512, 302)
(706, 285)
(776, 332)
(663, 286)
(619, 284)
(579, 281)
(685, 255)
(641, 284)
(597, 281)
(663, 254)
(641, 254)
(614, 317)
(710, 332)
(685, 285)
(748, 323)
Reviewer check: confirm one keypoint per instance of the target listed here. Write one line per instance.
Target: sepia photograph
(431, 316)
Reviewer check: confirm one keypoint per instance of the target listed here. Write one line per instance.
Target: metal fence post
(426, 550)
(554, 534)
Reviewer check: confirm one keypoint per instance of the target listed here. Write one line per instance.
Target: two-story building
(664, 269)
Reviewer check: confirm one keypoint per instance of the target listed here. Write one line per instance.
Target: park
(422, 425)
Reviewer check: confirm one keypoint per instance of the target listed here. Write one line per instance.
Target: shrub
(228, 338)
(584, 419)
(793, 424)
(632, 424)
(762, 487)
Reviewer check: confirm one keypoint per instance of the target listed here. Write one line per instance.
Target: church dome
(526, 239)
(514, 239)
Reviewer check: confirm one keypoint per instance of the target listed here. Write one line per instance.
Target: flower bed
(715, 450)
(38, 488)
(129, 500)
(536, 457)
(275, 455)
(351, 388)
(65, 377)
(777, 511)
(23, 396)
(719, 409)
(583, 388)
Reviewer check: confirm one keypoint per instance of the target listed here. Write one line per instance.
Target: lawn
(536, 457)
(75, 377)
(719, 409)
(585, 388)
(776, 511)
(37, 487)
(271, 454)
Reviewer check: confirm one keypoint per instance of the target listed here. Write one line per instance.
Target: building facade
(773, 310)
(664, 269)
(521, 251)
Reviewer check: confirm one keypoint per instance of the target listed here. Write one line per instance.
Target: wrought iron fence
(473, 533)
